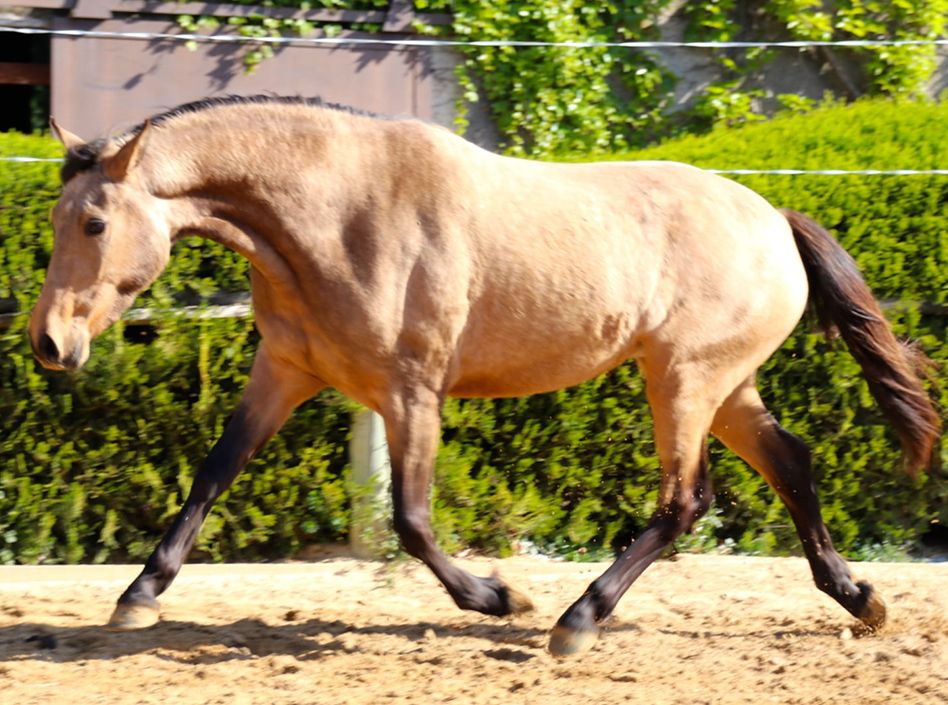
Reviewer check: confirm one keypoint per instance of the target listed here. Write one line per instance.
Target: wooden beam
(198, 9)
(92, 9)
(39, 4)
(401, 14)
(24, 74)
(399, 17)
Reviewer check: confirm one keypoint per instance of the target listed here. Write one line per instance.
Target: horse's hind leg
(413, 428)
(746, 427)
(683, 403)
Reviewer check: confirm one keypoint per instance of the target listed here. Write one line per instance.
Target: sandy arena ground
(699, 629)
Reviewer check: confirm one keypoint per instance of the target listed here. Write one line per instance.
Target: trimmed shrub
(93, 465)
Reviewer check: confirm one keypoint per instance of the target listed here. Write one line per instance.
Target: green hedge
(93, 465)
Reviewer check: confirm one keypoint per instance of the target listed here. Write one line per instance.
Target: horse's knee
(695, 509)
(695, 504)
(681, 514)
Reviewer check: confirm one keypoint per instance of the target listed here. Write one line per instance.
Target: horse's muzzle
(48, 353)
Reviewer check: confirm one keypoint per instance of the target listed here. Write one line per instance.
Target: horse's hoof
(517, 602)
(872, 614)
(128, 618)
(569, 642)
(511, 600)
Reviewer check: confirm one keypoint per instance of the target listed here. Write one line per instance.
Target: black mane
(86, 156)
(82, 158)
(260, 99)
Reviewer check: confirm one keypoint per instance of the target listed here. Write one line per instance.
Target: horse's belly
(542, 377)
(543, 361)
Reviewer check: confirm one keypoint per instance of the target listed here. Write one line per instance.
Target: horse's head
(112, 240)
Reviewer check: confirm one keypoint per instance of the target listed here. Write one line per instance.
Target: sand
(698, 629)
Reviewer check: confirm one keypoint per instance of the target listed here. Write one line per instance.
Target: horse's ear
(117, 167)
(69, 140)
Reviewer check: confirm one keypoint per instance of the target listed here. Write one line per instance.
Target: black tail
(844, 303)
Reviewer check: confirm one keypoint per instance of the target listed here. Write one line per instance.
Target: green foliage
(557, 100)
(565, 100)
(888, 70)
(893, 71)
(94, 465)
(260, 26)
(560, 100)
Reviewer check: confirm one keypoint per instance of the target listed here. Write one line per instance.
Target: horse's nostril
(47, 348)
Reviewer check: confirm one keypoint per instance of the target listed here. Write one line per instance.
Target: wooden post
(370, 534)
(24, 74)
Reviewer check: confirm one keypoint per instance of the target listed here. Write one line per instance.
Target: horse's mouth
(48, 354)
(64, 366)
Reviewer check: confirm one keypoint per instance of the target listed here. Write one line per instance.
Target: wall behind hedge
(93, 465)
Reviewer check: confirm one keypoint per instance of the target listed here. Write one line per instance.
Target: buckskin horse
(398, 263)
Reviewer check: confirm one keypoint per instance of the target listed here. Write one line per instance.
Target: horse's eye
(95, 226)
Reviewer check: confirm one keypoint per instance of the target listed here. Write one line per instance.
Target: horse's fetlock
(595, 601)
(582, 614)
(838, 586)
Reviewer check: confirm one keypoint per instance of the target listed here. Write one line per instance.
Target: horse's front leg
(274, 390)
(413, 428)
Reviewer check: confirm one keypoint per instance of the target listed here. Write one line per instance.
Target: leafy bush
(547, 100)
(93, 465)
(556, 101)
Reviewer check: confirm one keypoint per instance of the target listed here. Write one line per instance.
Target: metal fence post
(369, 532)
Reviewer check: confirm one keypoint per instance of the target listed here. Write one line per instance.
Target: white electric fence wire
(407, 42)
(339, 41)
(726, 172)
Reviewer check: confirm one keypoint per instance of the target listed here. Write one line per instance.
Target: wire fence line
(149, 316)
(153, 317)
(512, 43)
(832, 172)
(29, 160)
(409, 42)
(725, 172)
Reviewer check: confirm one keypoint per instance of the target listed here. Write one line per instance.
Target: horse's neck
(209, 151)
(220, 193)
(273, 195)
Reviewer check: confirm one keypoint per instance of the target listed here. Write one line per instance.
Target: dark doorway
(24, 82)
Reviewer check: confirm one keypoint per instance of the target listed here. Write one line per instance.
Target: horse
(398, 263)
